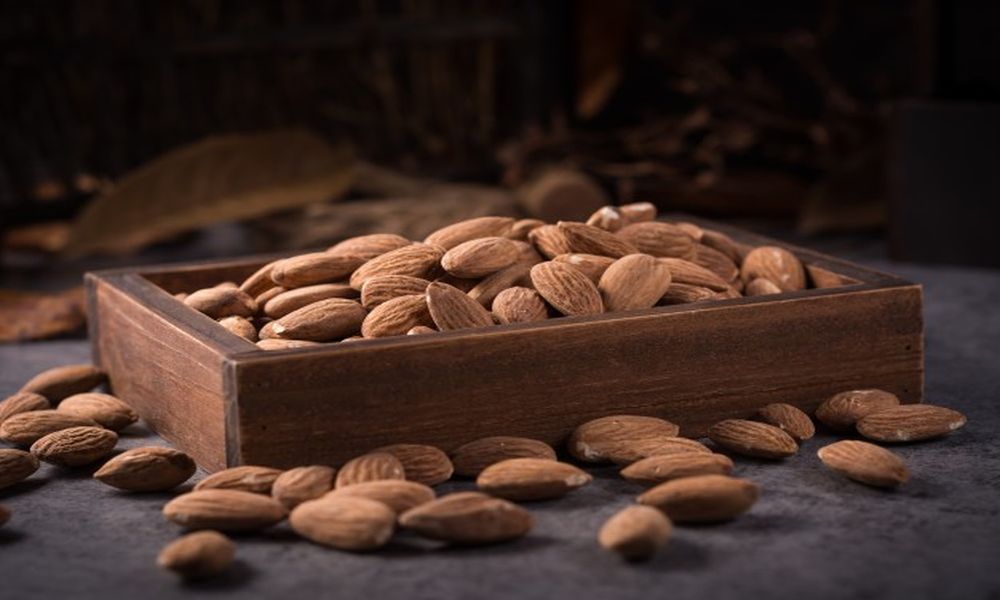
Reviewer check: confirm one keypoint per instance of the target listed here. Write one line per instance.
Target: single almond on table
(247, 478)
(149, 469)
(607, 218)
(470, 459)
(76, 446)
(24, 429)
(369, 246)
(843, 410)
(399, 495)
(468, 518)
(421, 463)
(298, 485)
(629, 451)
(591, 265)
(240, 326)
(452, 235)
(777, 265)
(910, 423)
(378, 290)
(480, 257)
(637, 212)
(343, 522)
(224, 510)
(654, 470)
(59, 382)
(524, 479)
(566, 289)
(294, 299)
(636, 532)
(684, 271)
(789, 418)
(658, 239)
(549, 240)
(397, 317)
(22, 402)
(198, 555)
(260, 281)
(521, 228)
(683, 293)
(219, 302)
(373, 466)
(634, 282)
(452, 309)
(865, 462)
(279, 344)
(105, 409)
(716, 262)
(586, 239)
(415, 260)
(519, 305)
(314, 268)
(761, 287)
(702, 499)
(608, 439)
(323, 321)
(16, 466)
(751, 438)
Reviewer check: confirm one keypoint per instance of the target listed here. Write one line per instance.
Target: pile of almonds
(492, 270)
(360, 505)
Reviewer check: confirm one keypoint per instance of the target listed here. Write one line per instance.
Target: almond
(716, 262)
(468, 518)
(777, 265)
(398, 495)
(76, 446)
(480, 257)
(549, 240)
(654, 470)
(247, 478)
(683, 271)
(636, 532)
(451, 309)
(789, 418)
(520, 229)
(198, 555)
(240, 326)
(725, 244)
(323, 321)
(421, 463)
(524, 479)
(346, 523)
(452, 235)
(865, 462)
(761, 287)
(693, 231)
(279, 344)
(373, 466)
(634, 282)
(751, 438)
(105, 409)
(702, 499)
(682, 293)
(519, 305)
(910, 423)
(260, 281)
(149, 469)
(26, 428)
(489, 287)
(314, 268)
(843, 410)
(586, 239)
(396, 317)
(369, 246)
(294, 299)
(15, 466)
(298, 485)
(22, 402)
(415, 260)
(378, 290)
(420, 330)
(637, 212)
(658, 239)
(55, 384)
(609, 438)
(218, 302)
(629, 451)
(591, 265)
(224, 510)
(607, 218)
(567, 289)
(471, 458)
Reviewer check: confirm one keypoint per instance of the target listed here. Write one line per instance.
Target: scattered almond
(654, 470)
(399, 495)
(373, 466)
(750, 438)
(470, 459)
(789, 418)
(777, 265)
(22, 402)
(246, 478)
(59, 382)
(702, 499)
(224, 510)
(634, 282)
(630, 451)
(343, 522)
(567, 289)
(149, 469)
(910, 423)
(610, 438)
(468, 518)
(24, 429)
(636, 532)
(15, 466)
(524, 479)
(519, 305)
(451, 309)
(76, 446)
(843, 410)
(298, 485)
(865, 462)
(105, 409)
(421, 463)
(198, 555)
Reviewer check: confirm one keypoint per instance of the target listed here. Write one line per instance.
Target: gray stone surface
(812, 535)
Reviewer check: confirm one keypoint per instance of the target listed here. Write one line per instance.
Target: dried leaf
(218, 179)
(38, 315)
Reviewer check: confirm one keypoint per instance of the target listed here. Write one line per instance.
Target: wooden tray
(224, 401)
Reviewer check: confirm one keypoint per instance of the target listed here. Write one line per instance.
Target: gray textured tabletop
(812, 534)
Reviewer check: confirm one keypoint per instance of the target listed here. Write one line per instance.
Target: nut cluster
(492, 270)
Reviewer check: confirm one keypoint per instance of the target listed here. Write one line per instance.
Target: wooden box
(226, 402)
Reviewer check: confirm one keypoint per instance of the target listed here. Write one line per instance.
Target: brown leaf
(38, 315)
(220, 178)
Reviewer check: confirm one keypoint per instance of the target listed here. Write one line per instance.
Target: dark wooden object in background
(226, 402)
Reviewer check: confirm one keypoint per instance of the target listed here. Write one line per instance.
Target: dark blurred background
(129, 125)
